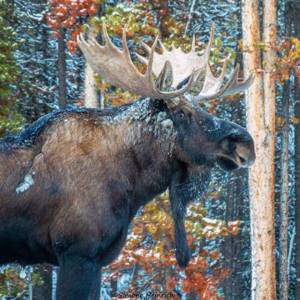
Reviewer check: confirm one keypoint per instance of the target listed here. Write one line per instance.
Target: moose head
(182, 81)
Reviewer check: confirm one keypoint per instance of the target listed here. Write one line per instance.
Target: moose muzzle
(236, 149)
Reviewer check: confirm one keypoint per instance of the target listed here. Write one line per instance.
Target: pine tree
(10, 120)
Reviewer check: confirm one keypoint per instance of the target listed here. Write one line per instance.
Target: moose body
(71, 183)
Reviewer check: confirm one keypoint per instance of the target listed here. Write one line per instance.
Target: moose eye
(181, 115)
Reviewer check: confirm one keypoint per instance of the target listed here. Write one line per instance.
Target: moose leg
(78, 279)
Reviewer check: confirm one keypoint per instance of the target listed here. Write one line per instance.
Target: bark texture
(91, 95)
(297, 188)
(293, 11)
(236, 201)
(284, 197)
(284, 193)
(62, 89)
(260, 103)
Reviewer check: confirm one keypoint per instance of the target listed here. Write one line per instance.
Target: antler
(213, 87)
(206, 85)
(116, 67)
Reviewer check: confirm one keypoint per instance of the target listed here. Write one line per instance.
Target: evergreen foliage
(10, 119)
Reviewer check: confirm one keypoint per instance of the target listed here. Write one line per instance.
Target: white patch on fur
(26, 184)
(161, 116)
(167, 126)
(137, 111)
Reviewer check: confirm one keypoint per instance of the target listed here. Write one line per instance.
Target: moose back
(71, 182)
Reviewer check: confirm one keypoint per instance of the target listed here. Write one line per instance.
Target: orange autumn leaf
(214, 254)
(171, 283)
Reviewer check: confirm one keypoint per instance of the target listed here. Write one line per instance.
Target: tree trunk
(163, 13)
(232, 244)
(260, 103)
(46, 56)
(232, 247)
(297, 187)
(91, 96)
(284, 197)
(293, 11)
(62, 86)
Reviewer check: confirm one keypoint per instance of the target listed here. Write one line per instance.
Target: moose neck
(146, 150)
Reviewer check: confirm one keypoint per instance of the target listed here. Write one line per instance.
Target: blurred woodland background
(41, 70)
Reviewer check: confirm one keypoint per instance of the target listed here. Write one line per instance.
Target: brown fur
(71, 184)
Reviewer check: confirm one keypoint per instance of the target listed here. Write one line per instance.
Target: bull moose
(71, 183)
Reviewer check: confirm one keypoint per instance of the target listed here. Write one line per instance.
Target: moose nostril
(245, 153)
(242, 159)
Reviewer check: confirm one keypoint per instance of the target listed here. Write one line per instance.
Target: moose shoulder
(71, 183)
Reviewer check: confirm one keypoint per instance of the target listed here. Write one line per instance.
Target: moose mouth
(231, 162)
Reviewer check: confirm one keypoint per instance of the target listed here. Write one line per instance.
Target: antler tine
(150, 60)
(232, 86)
(193, 49)
(107, 40)
(162, 45)
(212, 35)
(144, 60)
(146, 47)
(84, 47)
(126, 50)
(212, 85)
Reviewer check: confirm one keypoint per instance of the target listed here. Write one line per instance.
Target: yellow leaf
(294, 120)
(151, 228)
(279, 120)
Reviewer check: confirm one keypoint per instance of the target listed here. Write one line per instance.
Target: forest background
(41, 70)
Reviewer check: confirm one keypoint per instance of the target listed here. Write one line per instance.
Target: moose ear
(165, 79)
